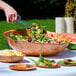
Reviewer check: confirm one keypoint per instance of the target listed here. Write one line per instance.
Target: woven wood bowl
(11, 59)
(35, 49)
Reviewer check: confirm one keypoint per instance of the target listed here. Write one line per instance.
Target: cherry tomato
(61, 40)
(27, 38)
(51, 35)
(55, 65)
(65, 59)
(49, 42)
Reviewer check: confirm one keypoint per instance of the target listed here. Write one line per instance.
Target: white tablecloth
(63, 71)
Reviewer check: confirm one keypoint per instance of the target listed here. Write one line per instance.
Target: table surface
(62, 71)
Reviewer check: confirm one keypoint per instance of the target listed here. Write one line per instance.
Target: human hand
(11, 14)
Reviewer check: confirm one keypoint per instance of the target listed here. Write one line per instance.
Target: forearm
(3, 5)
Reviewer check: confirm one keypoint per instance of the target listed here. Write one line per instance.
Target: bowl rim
(31, 42)
(16, 67)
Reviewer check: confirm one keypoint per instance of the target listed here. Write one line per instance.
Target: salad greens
(52, 63)
(37, 35)
(45, 62)
(67, 61)
(61, 62)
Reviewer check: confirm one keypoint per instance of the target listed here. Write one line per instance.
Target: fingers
(15, 17)
(8, 19)
(12, 18)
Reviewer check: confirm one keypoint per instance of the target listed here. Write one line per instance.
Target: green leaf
(42, 27)
(45, 39)
(33, 61)
(72, 62)
(47, 62)
(39, 31)
(13, 36)
(61, 62)
(34, 24)
(41, 63)
(41, 58)
(40, 38)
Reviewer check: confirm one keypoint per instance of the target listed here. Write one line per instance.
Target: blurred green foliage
(70, 11)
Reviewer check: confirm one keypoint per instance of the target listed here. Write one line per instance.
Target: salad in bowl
(35, 40)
